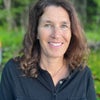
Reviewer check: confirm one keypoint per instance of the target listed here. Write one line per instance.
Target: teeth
(56, 44)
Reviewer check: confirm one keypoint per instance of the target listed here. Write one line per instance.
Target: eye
(47, 25)
(64, 26)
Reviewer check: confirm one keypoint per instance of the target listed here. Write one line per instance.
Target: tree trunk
(7, 4)
(24, 19)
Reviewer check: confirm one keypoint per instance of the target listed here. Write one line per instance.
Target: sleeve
(91, 93)
(6, 85)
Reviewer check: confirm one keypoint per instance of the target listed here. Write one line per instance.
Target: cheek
(67, 36)
(43, 33)
(40, 33)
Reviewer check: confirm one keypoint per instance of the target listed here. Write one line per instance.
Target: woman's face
(54, 32)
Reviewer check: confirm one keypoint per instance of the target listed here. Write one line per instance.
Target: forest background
(13, 25)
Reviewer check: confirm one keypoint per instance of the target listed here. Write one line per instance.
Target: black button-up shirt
(77, 86)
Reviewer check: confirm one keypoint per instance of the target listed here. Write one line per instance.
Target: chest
(43, 89)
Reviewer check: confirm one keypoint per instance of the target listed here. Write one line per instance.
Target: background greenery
(13, 25)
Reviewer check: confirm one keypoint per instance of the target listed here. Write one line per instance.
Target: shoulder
(11, 67)
(82, 73)
(81, 70)
(87, 70)
(86, 73)
(11, 64)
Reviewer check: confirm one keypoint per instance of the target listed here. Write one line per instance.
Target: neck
(51, 64)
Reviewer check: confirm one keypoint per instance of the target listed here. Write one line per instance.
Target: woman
(52, 65)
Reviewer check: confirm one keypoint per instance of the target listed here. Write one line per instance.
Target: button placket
(54, 95)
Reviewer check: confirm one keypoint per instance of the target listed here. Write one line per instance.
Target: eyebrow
(47, 21)
(63, 22)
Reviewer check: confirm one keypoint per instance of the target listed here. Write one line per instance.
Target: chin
(56, 56)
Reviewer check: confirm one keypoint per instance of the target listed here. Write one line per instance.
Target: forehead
(55, 13)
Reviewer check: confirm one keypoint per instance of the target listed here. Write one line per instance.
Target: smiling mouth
(55, 44)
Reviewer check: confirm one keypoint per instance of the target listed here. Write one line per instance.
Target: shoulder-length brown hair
(77, 50)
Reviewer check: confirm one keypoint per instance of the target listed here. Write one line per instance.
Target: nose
(56, 32)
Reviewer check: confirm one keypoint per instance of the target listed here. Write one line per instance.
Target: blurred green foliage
(94, 65)
(11, 43)
(93, 35)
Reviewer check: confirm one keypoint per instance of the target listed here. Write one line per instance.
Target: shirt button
(54, 94)
(60, 82)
